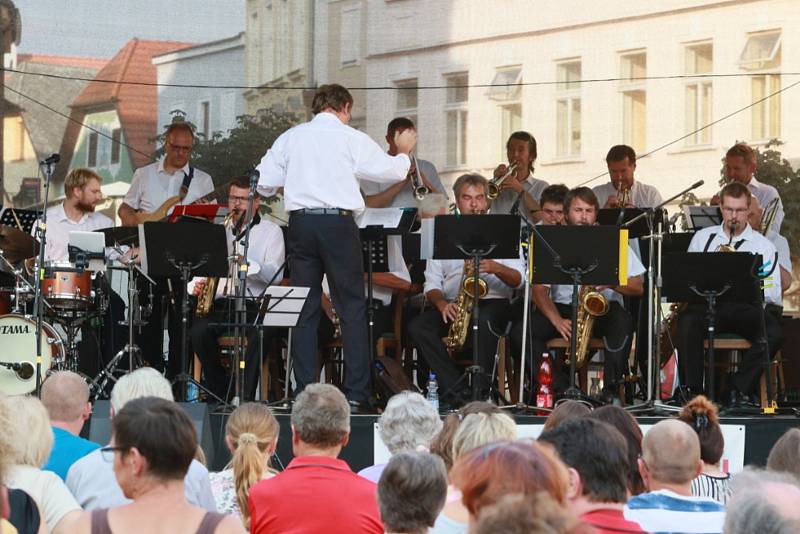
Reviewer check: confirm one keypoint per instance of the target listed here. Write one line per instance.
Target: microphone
(52, 158)
(23, 370)
(697, 184)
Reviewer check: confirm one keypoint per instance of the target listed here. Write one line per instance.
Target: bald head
(65, 395)
(671, 452)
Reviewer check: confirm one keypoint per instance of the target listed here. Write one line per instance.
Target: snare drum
(67, 288)
(18, 339)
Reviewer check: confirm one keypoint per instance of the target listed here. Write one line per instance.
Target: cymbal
(16, 244)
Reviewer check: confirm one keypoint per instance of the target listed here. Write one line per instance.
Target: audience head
(626, 424)
(412, 491)
(701, 414)
(29, 435)
(486, 473)
(785, 454)
(528, 514)
(252, 436)
(670, 455)
(597, 457)
(568, 409)
(6, 450)
(442, 444)
(321, 418)
(763, 502)
(479, 429)
(65, 395)
(408, 422)
(142, 455)
(143, 382)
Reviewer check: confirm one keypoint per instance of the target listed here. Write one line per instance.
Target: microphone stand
(41, 235)
(654, 283)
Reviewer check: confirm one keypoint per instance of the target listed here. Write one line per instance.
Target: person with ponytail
(702, 415)
(251, 435)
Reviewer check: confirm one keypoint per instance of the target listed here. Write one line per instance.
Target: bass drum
(18, 339)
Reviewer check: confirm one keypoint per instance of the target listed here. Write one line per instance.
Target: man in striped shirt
(670, 461)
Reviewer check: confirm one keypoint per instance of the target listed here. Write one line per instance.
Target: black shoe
(682, 395)
(609, 396)
(360, 408)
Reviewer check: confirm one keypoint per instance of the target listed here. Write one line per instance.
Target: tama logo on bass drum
(14, 329)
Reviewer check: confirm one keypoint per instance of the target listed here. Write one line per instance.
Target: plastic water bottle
(192, 392)
(544, 391)
(433, 391)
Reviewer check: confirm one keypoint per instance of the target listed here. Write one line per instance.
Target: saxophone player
(553, 305)
(442, 285)
(265, 256)
(519, 191)
(621, 164)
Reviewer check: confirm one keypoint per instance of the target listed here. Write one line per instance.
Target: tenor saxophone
(459, 328)
(591, 304)
(206, 297)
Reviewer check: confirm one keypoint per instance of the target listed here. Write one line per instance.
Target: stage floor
(761, 433)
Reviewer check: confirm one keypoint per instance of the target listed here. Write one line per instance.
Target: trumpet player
(743, 319)
(422, 178)
(553, 305)
(621, 163)
(442, 284)
(518, 190)
(265, 255)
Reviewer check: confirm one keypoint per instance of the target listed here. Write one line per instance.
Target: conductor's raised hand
(405, 140)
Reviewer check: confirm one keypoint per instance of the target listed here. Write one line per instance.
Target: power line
(394, 88)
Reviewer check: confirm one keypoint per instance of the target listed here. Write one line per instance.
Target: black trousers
(204, 342)
(103, 337)
(741, 319)
(615, 327)
(330, 244)
(427, 330)
(151, 338)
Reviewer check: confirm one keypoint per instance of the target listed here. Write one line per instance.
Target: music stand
(639, 226)
(475, 237)
(16, 217)
(188, 250)
(699, 217)
(582, 255)
(711, 277)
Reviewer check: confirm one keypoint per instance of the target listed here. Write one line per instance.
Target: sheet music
(385, 217)
(285, 305)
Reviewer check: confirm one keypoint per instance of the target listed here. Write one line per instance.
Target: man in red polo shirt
(316, 492)
(596, 455)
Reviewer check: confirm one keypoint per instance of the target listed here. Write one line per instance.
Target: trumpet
(420, 190)
(624, 196)
(493, 189)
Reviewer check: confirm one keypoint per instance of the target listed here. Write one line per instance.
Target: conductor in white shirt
(319, 164)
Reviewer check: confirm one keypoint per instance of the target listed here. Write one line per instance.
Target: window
(407, 99)
(350, 35)
(763, 52)
(205, 117)
(457, 95)
(91, 157)
(698, 91)
(633, 70)
(116, 139)
(568, 109)
(505, 84)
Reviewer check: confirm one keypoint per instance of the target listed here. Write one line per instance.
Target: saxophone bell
(493, 188)
(728, 247)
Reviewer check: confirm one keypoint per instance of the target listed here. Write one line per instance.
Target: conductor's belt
(322, 211)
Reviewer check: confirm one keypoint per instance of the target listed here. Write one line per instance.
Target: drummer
(77, 213)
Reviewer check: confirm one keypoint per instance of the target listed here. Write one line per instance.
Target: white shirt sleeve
(272, 167)
(133, 197)
(274, 254)
(434, 276)
(57, 501)
(198, 487)
(372, 163)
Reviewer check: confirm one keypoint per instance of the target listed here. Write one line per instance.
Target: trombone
(420, 190)
(768, 215)
(493, 190)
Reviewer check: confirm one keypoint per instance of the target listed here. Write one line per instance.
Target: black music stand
(475, 237)
(711, 277)
(637, 224)
(16, 217)
(582, 255)
(185, 249)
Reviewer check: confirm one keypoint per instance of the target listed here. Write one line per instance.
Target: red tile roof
(65, 61)
(136, 105)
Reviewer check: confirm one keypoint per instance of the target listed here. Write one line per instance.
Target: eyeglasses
(234, 199)
(180, 148)
(108, 452)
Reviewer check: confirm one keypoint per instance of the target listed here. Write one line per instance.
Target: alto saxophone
(459, 328)
(206, 297)
(591, 304)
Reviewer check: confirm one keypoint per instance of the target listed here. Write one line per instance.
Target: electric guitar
(163, 210)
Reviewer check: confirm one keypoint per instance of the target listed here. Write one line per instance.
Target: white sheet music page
(385, 217)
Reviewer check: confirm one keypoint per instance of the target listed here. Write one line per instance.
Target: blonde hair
(251, 429)
(143, 382)
(79, 178)
(5, 441)
(30, 438)
(480, 429)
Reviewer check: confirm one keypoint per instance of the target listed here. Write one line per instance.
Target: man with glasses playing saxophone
(443, 281)
(265, 255)
(553, 306)
(743, 319)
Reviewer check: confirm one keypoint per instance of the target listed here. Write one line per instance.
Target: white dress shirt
(752, 242)
(562, 293)
(445, 275)
(642, 195)
(59, 226)
(152, 186)
(782, 246)
(765, 194)
(405, 198)
(266, 249)
(319, 163)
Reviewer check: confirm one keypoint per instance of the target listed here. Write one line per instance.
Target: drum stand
(133, 320)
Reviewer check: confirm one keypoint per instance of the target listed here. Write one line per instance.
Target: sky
(99, 28)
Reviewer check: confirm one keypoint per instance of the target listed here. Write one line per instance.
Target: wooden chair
(394, 341)
(595, 343)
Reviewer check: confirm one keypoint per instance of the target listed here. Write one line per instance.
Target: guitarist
(170, 180)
